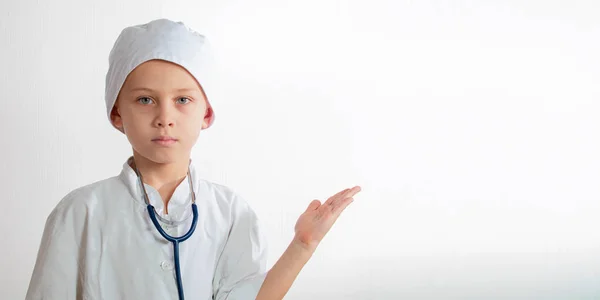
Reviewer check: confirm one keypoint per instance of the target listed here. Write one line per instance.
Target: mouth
(164, 140)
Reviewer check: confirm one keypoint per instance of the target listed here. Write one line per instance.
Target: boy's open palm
(318, 218)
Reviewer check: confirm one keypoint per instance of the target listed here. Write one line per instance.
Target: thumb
(313, 205)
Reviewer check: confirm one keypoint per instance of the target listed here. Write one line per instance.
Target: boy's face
(160, 98)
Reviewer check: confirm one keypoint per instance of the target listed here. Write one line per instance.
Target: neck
(160, 175)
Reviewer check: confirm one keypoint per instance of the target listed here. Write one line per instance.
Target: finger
(348, 194)
(334, 197)
(353, 191)
(338, 209)
(313, 205)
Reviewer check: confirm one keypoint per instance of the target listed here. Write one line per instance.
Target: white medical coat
(99, 243)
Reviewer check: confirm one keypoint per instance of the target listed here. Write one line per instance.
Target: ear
(115, 118)
(208, 118)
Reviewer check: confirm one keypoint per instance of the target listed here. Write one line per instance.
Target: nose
(165, 117)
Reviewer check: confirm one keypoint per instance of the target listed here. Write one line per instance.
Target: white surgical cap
(159, 39)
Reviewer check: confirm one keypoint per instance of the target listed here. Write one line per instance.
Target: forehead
(160, 75)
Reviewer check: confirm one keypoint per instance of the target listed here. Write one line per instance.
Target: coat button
(166, 266)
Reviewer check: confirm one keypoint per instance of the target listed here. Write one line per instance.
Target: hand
(318, 218)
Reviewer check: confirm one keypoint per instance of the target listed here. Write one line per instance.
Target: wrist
(302, 247)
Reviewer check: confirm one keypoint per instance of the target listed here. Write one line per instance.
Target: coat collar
(180, 202)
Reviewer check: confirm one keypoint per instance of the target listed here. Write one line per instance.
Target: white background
(471, 126)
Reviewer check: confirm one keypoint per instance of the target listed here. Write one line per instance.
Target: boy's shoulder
(81, 197)
(221, 192)
(218, 189)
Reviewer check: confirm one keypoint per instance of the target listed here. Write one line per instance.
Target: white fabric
(159, 39)
(99, 243)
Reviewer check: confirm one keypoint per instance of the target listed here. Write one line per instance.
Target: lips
(164, 138)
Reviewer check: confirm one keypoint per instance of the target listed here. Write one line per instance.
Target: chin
(163, 156)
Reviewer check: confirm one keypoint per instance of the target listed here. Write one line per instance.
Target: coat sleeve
(241, 268)
(55, 274)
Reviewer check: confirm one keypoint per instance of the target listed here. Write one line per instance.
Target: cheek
(136, 118)
(195, 118)
(193, 128)
(134, 127)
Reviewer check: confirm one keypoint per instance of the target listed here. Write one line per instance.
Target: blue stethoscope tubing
(175, 240)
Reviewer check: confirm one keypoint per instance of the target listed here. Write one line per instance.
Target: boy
(100, 243)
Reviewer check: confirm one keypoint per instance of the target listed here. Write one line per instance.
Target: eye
(144, 100)
(186, 100)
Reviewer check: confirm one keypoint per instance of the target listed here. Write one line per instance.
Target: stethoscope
(175, 240)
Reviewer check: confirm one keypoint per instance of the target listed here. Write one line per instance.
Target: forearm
(281, 276)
